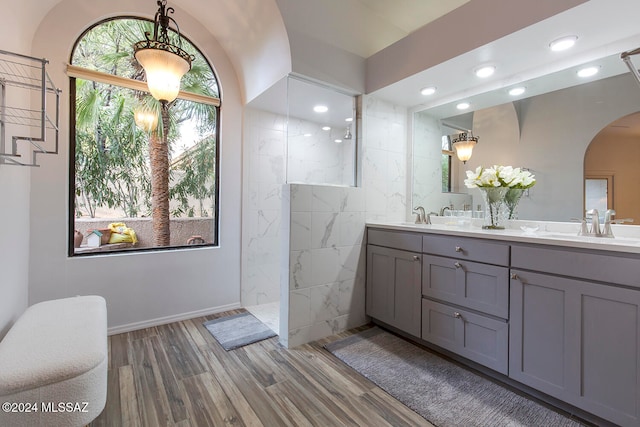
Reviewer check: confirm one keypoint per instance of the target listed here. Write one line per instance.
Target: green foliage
(112, 153)
(197, 169)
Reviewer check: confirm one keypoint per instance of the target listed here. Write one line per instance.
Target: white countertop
(627, 237)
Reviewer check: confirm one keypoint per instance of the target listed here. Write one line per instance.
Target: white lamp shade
(164, 71)
(464, 149)
(146, 120)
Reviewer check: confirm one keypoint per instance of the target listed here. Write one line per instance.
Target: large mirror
(549, 129)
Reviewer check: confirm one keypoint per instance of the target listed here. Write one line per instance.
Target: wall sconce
(164, 63)
(463, 144)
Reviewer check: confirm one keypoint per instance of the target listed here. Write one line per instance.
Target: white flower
(499, 176)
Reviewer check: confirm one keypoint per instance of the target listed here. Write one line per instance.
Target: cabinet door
(481, 339)
(469, 284)
(578, 341)
(393, 288)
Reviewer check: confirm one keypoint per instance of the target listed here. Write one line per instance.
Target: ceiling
(362, 27)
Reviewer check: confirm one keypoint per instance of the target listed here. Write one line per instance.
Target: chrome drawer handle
(457, 315)
(416, 258)
(459, 249)
(514, 276)
(457, 265)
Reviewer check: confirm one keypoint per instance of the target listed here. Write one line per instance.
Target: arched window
(142, 176)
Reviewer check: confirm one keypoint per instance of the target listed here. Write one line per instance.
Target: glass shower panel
(321, 135)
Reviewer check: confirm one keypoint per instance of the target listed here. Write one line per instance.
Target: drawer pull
(457, 315)
(457, 265)
(416, 258)
(459, 249)
(514, 276)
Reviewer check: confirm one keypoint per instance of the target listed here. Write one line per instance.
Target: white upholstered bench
(53, 364)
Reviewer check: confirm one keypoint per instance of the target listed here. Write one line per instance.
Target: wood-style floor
(178, 375)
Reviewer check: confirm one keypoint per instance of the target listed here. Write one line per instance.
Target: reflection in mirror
(435, 167)
(548, 134)
(610, 168)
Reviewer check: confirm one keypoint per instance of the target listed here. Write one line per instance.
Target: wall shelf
(29, 109)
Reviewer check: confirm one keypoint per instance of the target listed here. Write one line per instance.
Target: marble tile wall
(324, 281)
(384, 161)
(268, 159)
(263, 177)
(325, 275)
(315, 158)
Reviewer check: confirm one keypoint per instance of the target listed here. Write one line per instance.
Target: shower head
(347, 134)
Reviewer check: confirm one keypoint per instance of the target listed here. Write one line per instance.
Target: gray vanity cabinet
(483, 339)
(394, 280)
(574, 339)
(465, 303)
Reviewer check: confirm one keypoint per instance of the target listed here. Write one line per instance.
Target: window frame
(75, 72)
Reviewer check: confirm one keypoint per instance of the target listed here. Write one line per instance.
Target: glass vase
(511, 200)
(493, 206)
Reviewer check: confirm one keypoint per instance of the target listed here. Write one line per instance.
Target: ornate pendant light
(164, 63)
(463, 144)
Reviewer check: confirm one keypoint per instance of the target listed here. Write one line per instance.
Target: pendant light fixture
(164, 63)
(463, 144)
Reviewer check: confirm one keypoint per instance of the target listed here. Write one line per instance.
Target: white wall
(141, 288)
(15, 186)
(14, 243)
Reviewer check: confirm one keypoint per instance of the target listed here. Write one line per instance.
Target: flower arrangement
(500, 184)
(500, 176)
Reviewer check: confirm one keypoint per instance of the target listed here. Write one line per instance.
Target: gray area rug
(443, 393)
(238, 330)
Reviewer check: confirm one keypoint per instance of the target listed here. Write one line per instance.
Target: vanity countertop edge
(629, 245)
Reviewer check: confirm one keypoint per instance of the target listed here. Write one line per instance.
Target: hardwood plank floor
(178, 375)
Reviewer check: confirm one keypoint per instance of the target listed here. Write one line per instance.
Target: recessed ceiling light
(348, 119)
(320, 108)
(338, 141)
(588, 72)
(326, 128)
(563, 43)
(307, 134)
(428, 90)
(463, 106)
(485, 71)
(517, 91)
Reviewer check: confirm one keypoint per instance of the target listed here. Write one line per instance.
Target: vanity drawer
(466, 248)
(395, 239)
(481, 287)
(618, 268)
(481, 339)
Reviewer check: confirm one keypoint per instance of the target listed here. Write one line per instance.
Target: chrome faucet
(444, 208)
(606, 231)
(595, 223)
(421, 217)
(608, 220)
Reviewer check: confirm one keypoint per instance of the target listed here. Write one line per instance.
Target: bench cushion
(56, 351)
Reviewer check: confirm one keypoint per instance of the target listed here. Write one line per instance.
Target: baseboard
(170, 319)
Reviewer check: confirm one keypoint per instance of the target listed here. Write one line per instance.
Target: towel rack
(29, 108)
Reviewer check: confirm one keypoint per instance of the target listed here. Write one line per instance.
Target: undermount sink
(613, 240)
